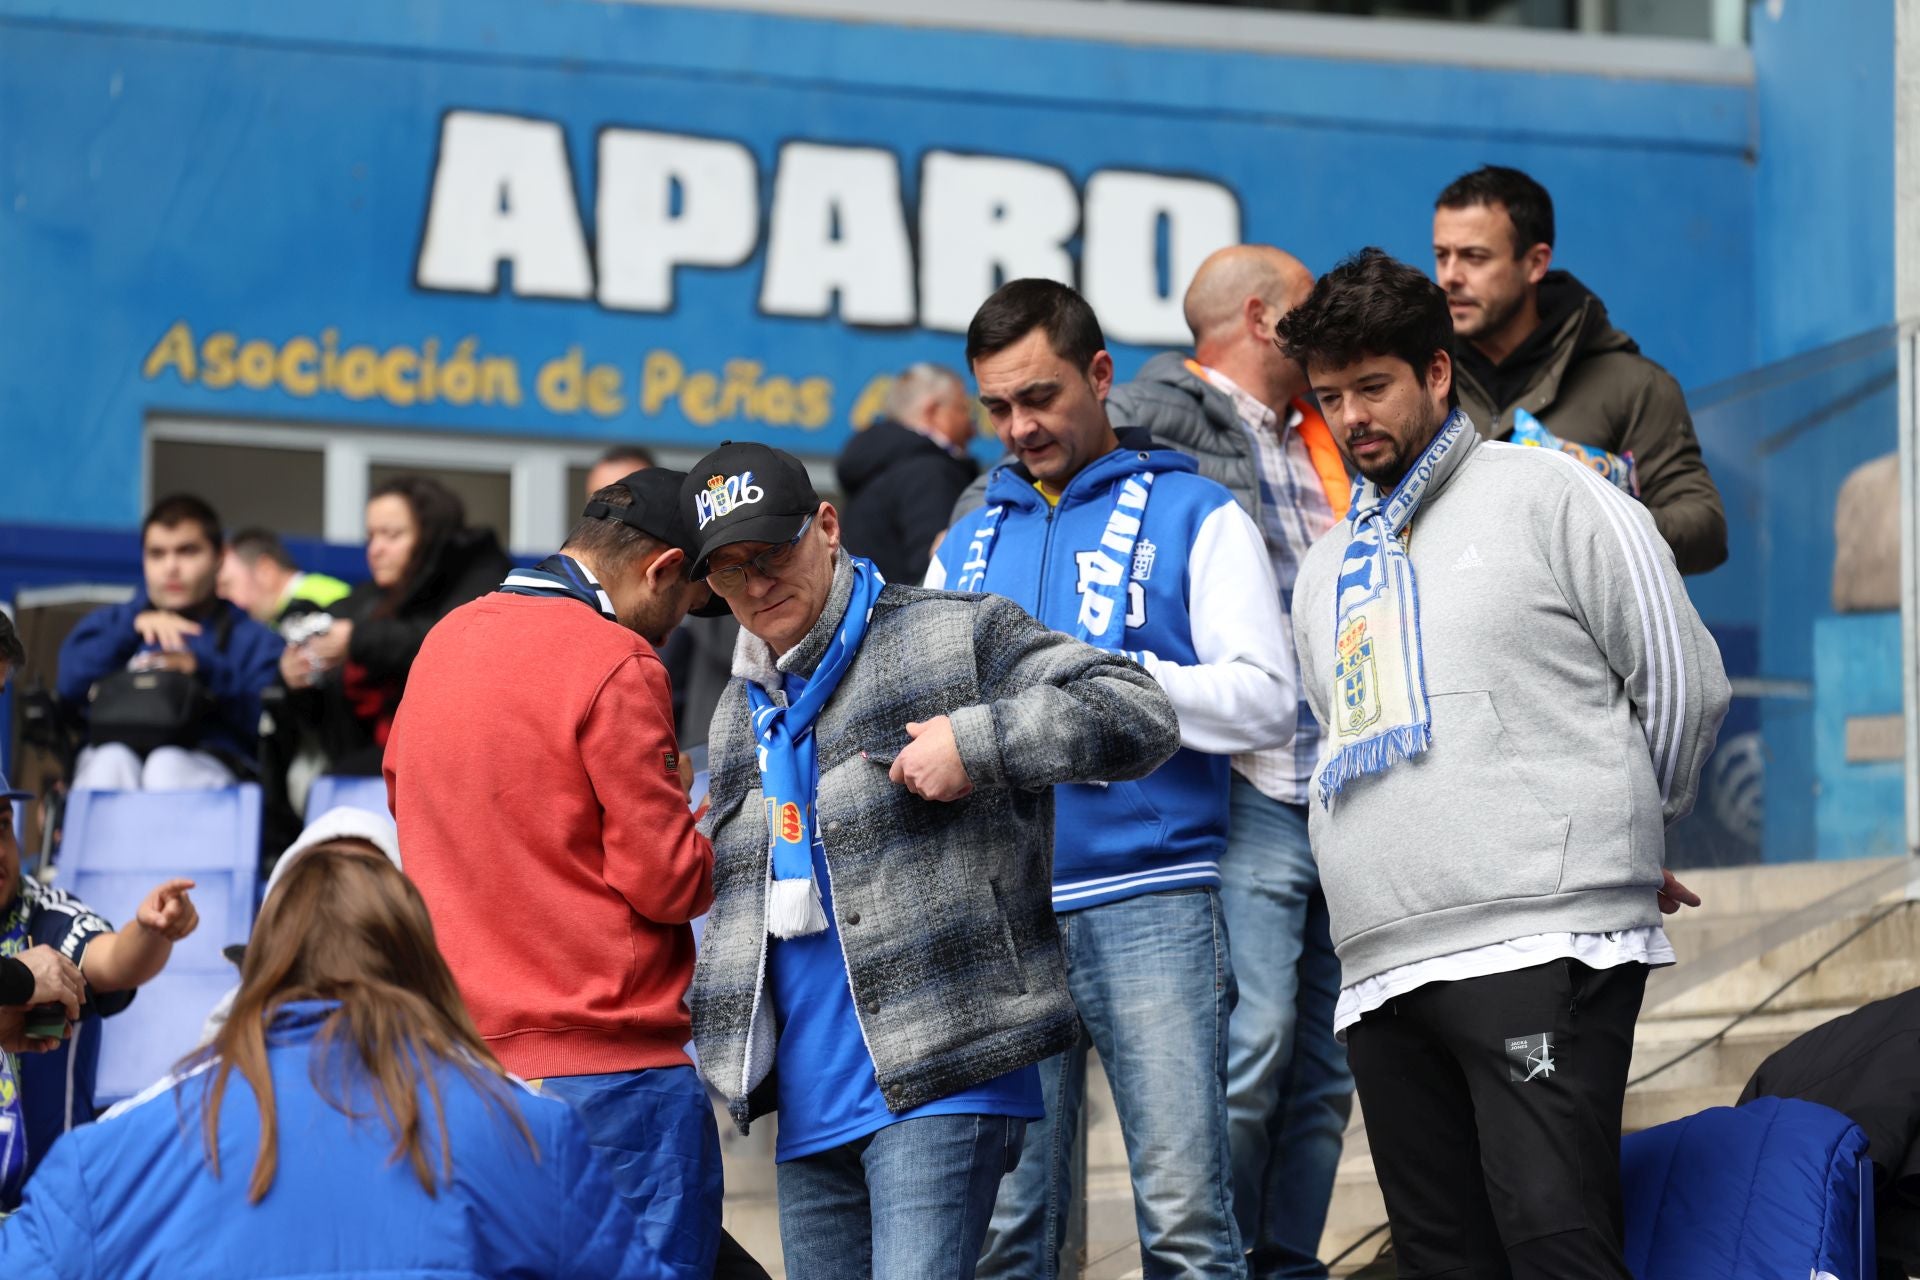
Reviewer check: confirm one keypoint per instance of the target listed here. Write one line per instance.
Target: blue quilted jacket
(133, 1196)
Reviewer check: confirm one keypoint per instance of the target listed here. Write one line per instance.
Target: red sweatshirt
(532, 770)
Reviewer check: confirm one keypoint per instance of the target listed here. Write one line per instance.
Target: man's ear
(1539, 260)
(1253, 316)
(1440, 375)
(829, 521)
(1100, 375)
(667, 569)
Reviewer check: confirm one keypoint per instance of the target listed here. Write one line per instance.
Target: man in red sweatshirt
(536, 781)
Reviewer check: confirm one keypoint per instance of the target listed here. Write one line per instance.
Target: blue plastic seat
(331, 790)
(1778, 1187)
(119, 845)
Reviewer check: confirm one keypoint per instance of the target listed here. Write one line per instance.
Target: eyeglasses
(768, 564)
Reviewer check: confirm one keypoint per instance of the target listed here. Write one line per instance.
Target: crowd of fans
(1188, 757)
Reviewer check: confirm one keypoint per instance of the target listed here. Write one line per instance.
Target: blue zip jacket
(132, 1196)
(1167, 830)
(105, 641)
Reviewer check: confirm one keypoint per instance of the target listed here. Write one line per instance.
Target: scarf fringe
(1373, 755)
(794, 910)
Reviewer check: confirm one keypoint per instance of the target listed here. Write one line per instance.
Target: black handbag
(148, 709)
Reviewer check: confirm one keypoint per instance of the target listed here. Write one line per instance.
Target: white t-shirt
(1646, 945)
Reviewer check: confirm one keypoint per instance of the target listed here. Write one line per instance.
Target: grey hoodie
(1574, 694)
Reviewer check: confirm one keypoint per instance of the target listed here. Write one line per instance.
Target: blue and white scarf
(1103, 575)
(13, 1116)
(562, 577)
(1380, 712)
(790, 767)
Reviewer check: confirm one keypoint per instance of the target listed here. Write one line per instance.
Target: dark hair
(12, 652)
(1526, 202)
(1369, 305)
(255, 544)
(183, 508)
(628, 452)
(437, 512)
(608, 540)
(1018, 307)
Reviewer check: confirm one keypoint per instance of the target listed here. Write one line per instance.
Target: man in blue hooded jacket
(177, 623)
(1125, 546)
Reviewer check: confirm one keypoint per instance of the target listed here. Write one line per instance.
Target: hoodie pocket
(1456, 827)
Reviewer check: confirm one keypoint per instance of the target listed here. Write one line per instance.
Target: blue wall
(264, 171)
(1823, 265)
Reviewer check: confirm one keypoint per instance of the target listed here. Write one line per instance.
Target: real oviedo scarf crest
(1379, 706)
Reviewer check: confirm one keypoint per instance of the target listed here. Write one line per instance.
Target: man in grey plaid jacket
(895, 1021)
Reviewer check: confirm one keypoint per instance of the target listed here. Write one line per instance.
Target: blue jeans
(655, 1130)
(1153, 984)
(1288, 1088)
(911, 1200)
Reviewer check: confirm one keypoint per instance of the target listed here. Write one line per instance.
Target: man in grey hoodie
(1517, 696)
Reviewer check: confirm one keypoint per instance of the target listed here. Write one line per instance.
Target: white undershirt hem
(1646, 945)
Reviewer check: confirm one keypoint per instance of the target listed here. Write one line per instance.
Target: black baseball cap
(655, 511)
(656, 506)
(744, 493)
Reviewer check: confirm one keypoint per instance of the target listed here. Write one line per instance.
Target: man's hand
(168, 911)
(13, 1034)
(686, 774)
(1674, 895)
(166, 629)
(181, 660)
(330, 646)
(295, 671)
(930, 766)
(56, 979)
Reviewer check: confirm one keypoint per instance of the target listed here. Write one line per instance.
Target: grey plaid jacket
(946, 914)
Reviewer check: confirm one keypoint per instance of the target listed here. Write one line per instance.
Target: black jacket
(385, 641)
(465, 567)
(900, 489)
(1866, 1066)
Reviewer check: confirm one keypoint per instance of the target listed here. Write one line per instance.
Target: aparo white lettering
(725, 494)
(840, 238)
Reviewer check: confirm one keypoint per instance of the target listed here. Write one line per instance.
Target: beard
(1388, 473)
(651, 619)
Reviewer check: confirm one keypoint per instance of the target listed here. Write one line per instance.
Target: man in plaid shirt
(1242, 409)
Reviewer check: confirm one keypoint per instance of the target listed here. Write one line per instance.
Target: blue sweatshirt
(234, 673)
(1201, 614)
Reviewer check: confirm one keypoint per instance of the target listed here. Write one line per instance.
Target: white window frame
(542, 510)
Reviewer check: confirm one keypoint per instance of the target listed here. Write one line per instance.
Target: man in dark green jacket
(1533, 339)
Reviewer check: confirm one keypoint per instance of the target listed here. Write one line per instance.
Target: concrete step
(1731, 1060)
(1743, 906)
(1773, 889)
(751, 1213)
(1357, 1210)
(1880, 962)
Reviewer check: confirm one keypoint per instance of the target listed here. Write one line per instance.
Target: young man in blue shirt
(177, 623)
(1126, 547)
